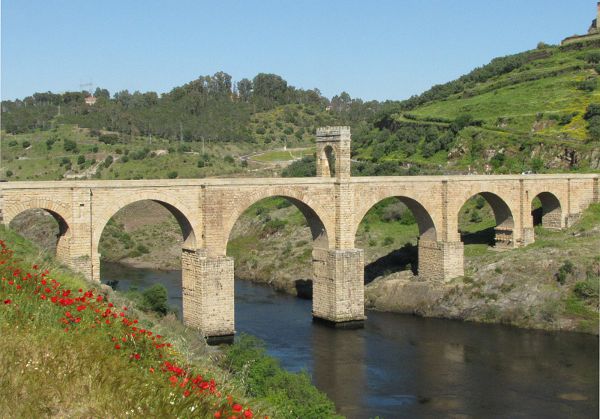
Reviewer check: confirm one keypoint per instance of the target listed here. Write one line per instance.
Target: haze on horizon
(389, 51)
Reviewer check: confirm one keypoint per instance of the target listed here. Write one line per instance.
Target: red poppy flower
(218, 414)
(248, 413)
(117, 346)
(7, 301)
(237, 407)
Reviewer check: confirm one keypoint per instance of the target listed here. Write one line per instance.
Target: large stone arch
(61, 213)
(321, 225)
(184, 216)
(423, 214)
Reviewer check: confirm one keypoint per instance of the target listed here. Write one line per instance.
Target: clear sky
(373, 49)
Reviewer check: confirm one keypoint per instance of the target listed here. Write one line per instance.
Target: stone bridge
(334, 203)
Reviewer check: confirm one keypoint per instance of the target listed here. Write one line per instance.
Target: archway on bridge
(390, 233)
(484, 221)
(46, 228)
(140, 249)
(546, 211)
(272, 242)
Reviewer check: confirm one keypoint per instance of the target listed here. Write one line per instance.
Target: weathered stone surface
(333, 203)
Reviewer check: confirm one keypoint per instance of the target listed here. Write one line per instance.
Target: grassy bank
(71, 348)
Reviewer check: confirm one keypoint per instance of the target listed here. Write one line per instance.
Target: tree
(244, 87)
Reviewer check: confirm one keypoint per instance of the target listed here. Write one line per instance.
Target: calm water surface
(405, 366)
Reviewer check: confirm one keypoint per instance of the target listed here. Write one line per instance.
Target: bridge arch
(182, 214)
(407, 254)
(61, 214)
(425, 222)
(549, 214)
(503, 232)
(321, 226)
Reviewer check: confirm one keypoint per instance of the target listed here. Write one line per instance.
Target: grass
(82, 358)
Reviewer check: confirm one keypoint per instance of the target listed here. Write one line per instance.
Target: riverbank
(551, 284)
(74, 348)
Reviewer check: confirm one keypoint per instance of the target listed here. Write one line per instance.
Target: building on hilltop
(90, 100)
(592, 33)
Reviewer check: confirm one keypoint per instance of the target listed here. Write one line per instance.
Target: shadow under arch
(499, 235)
(408, 254)
(328, 159)
(549, 212)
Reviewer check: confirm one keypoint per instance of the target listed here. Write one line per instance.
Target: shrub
(291, 393)
(475, 217)
(155, 299)
(70, 145)
(229, 159)
(388, 240)
(588, 85)
(9, 173)
(273, 226)
(108, 161)
(172, 175)
(80, 159)
(586, 289)
(26, 144)
(12, 143)
(566, 269)
(142, 249)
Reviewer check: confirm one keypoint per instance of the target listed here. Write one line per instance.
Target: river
(406, 366)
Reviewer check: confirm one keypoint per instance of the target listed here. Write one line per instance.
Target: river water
(406, 366)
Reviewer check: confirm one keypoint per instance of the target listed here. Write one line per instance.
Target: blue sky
(371, 49)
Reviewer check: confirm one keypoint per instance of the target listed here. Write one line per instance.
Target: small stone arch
(427, 227)
(549, 215)
(327, 161)
(505, 223)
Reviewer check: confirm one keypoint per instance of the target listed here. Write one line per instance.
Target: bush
(586, 289)
(70, 145)
(566, 269)
(142, 249)
(155, 299)
(9, 173)
(388, 240)
(229, 159)
(588, 85)
(172, 175)
(12, 143)
(26, 144)
(292, 394)
(475, 217)
(108, 161)
(273, 226)
(80, 159)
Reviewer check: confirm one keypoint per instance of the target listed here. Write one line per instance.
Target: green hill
(528, 111)
(538, 110)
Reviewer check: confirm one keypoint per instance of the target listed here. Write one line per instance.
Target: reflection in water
(405, 366)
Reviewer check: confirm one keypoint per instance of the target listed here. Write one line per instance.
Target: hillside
(72, 348)
(534, 110)
(528, 111)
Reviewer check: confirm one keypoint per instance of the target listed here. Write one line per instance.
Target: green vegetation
(538, 110)
(287, 392)
(98, 375)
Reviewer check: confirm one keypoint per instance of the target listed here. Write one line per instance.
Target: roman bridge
(334, 203)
